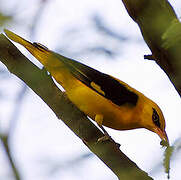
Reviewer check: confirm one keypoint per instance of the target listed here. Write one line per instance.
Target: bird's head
(153, 120)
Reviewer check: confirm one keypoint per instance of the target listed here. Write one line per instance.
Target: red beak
(163, 135)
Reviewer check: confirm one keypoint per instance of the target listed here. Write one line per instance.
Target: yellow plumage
(105, 99)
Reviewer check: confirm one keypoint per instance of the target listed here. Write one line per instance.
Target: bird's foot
(106, 137)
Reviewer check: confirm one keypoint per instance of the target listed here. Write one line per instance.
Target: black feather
(113, 90)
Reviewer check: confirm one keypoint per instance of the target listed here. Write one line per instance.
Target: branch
(161, 30)
(4, 140)
(43, 86)
(6, 137)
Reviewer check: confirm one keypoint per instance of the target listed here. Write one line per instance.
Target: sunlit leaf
(172, 34)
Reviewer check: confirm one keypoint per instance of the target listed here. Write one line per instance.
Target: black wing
(110, 88)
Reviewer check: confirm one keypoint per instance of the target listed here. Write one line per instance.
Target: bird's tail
(58, 65)
(37, 50)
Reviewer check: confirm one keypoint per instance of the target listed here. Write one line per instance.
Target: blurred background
(102, 35)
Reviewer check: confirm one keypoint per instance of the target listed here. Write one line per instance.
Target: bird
(105, 99)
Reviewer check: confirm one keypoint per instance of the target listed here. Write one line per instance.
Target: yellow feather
(93, 100)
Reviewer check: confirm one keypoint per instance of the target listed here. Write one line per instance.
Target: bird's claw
(108, 138)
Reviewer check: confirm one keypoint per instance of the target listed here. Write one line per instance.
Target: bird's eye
(155, 118)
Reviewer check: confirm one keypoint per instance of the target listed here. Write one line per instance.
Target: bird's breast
(91, 103)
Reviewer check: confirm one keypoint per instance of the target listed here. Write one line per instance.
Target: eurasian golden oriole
(105, 99)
